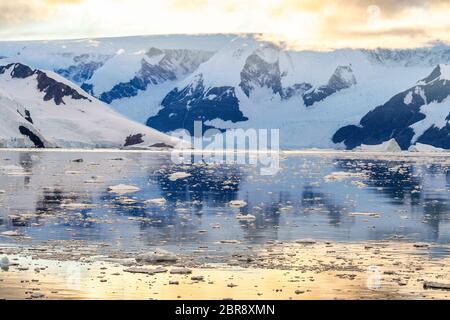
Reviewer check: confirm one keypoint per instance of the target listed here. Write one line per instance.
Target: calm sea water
(48, 196)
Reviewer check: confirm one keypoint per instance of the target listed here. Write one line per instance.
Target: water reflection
(57, 198)
(392, 179)
(205, 185)
(313, 200)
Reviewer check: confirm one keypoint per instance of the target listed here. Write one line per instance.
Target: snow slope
(42, 109)
(239, 81)
(420, 114)
(307, 95)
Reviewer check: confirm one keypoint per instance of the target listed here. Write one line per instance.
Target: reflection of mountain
(395, 180)
(51, 200)
(313, 199)
(400, 182)
(210, 185)
(190, 202)
(435, 209)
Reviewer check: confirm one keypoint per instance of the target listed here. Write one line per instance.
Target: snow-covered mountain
(41, 109)
(420, 114)
(240, 81)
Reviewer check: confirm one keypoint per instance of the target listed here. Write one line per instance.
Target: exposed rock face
(38, 143)
(437, 137)
(26, 116)
(395, 117)
(298, 89)
(33, 115)
(83, 67)
(196, 103)
(158, 67)
(134, 139)
(53, 89)
(341, 79)
(258, 73)
(161, 145)
(410, 57)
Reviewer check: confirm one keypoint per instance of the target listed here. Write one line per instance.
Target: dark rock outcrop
(172, 65)
(133, 139)
(83, 68)
(257, 73)
(298, 89)
(341, 79)
(395, 117)
(53, 89)
(180, 108)
(26, 116)
(38, 143)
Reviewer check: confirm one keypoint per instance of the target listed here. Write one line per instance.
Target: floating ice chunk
(387, 146)
(145, 270)
(365, 214)
(180, 271)
(344, 175)
(70, 173)
(76, 206)
(436, 285)
(229, 241)
(11, 234)
(246, 217)
(156, 202)
(93, 180)
(420, 147)
(123, 188)
(305, 241)
(157, 256)
(237, 203)
(178, 175)
(126, 201)
(12, 170)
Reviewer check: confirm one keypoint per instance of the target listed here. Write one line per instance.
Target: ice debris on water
(246, 217)
(180, 271)
(365, 214)
(337, 176)
(178, 175)
(11, 234)
(156, 202)
(123, 188)
(237, 203)
(12, 170)
(157, 256)
(77, 206)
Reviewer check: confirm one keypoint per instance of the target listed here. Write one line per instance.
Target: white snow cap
(80, 120)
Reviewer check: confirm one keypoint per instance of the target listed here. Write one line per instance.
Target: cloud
(298, 23)
(365, 23)
(18, 12)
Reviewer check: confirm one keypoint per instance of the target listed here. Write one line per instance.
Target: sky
(306, 24)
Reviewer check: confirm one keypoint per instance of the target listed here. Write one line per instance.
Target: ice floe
(178, 175)
(123, 188)
(156, 202)
(342, 175)
(237, 203)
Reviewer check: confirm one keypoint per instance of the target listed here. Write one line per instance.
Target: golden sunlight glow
(311, 24)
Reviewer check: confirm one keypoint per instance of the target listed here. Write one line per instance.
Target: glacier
(239, 81)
